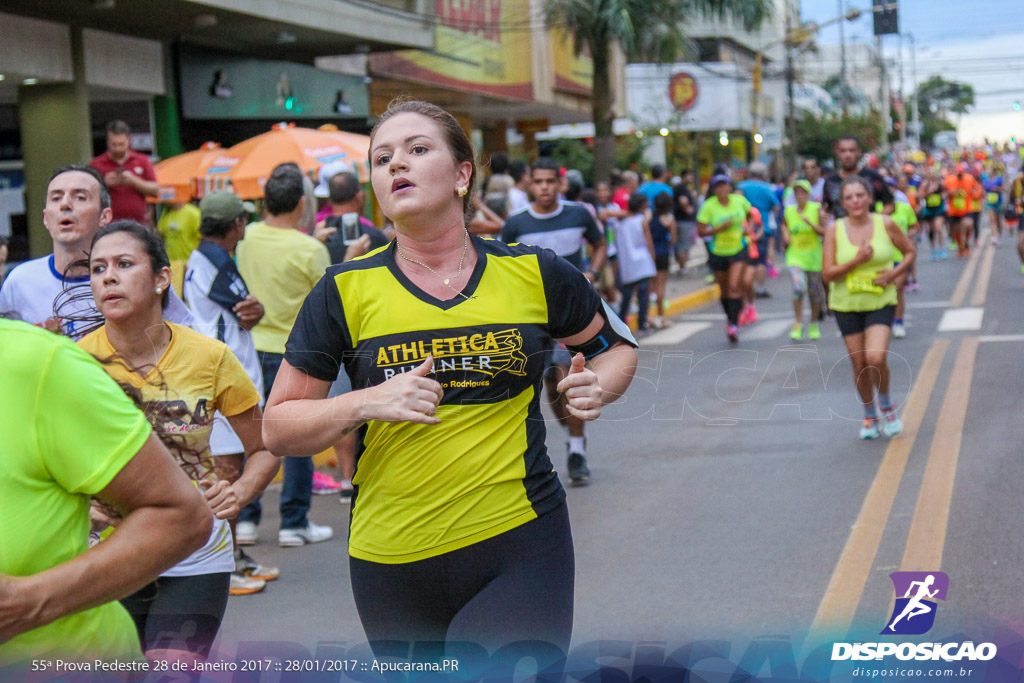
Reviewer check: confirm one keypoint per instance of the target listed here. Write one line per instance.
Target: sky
(980, 42)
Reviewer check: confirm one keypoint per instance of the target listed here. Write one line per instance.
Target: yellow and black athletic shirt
(424, 490)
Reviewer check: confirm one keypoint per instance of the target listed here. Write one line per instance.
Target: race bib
(933, 200)
(992, 197)
(959, 203)
(806, 241)
(728, 241)
(862, 283)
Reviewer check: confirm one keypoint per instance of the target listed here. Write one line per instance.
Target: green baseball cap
(804, 185)
(223, 205)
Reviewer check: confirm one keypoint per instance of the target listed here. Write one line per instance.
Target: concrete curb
(686, 302)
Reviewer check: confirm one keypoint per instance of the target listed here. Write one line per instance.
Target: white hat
(328, 171)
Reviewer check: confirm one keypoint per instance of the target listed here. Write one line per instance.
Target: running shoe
(243, 585)
(347, 491)
(324, 484)
(762, 293)
(1022, 269)
(744, 316)
(891, 423)
(869, 430)
(898, 331)
(813, 331)
(313, 533)
(935, 255)
(245, 533)
(772, 272)
(797, 332)
(943, 255)
(913, 286)
(245, 565)
(752, 314)
(733, 333)
(579, 474)
(709, 278)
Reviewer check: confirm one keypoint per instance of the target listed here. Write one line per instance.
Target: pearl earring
(462, 191)
(159, 290)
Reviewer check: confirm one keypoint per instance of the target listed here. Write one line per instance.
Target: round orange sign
(682, 91)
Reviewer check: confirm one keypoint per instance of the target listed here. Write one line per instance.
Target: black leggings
(180, 612)
(517, 586)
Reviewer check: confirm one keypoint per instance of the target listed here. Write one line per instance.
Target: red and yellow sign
(574, 73)
(472, 51)
(683, 91)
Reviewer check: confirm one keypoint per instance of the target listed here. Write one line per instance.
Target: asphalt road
(731, 498)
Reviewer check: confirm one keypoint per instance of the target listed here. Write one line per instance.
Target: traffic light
(886, 15)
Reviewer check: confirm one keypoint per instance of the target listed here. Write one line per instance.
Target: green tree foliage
(579, 154)
(937, 100)
(815, 138)
(645, 30)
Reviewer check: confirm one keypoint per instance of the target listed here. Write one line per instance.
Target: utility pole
(883, 95)
(903, 100)
(791, 110)
(842, 60)
(915, 121)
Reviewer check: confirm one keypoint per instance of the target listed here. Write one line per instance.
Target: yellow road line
(984, 275)
(931, 515)
(835, 613)
(960, 293)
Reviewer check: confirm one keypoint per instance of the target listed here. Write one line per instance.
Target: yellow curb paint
(927, 536)
(837, 607)
(686, 302)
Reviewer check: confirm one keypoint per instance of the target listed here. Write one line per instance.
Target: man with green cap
(802, 231)
(223, 309)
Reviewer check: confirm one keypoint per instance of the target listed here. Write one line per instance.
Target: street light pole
(915, 120)
(903, 100)
(842, 60)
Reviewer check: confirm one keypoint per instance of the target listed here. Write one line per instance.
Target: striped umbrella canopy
(246, 166)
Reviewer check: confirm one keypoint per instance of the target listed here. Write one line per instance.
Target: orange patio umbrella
(176, 175)
(246, 166)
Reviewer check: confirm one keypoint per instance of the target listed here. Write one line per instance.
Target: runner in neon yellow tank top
(857, 263)
(802, 231)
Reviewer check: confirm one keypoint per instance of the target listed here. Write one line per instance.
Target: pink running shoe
(733, 333)
(324, 484)
(744, 316)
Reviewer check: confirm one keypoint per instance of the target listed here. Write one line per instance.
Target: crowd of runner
(362, 339)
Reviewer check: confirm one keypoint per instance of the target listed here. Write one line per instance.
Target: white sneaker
(898, 331)
(245, 533)
(245, 585)
(313, 533)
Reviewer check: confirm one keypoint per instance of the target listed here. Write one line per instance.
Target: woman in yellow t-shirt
(858, 265)
(180, 377)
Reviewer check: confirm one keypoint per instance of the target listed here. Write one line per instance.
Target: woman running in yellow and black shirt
(858, 263)
(459, 529)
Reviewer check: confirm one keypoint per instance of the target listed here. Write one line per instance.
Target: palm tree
(646, 30)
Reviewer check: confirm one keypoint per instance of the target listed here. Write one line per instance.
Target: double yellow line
(927, 535)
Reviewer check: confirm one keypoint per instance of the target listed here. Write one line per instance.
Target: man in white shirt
(53, 291)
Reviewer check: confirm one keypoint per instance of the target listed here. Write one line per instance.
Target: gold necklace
(445, 280)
